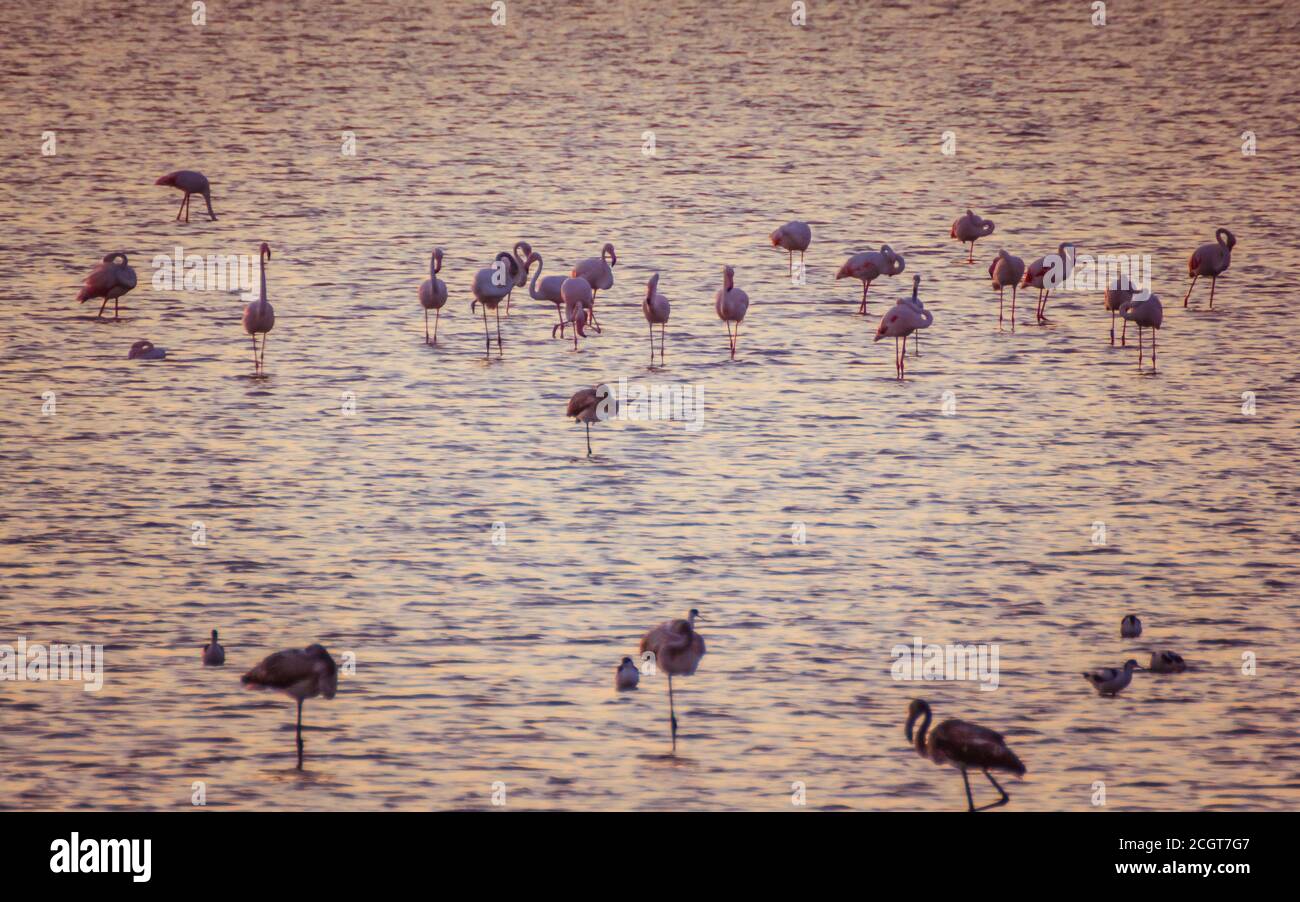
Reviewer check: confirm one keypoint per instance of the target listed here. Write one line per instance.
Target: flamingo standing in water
(1006, 271)
(1147, 314)
(577, 296)
(433, 295)
(677, 648)
(590, 405)
(656, 310)
(599, 273)
(548, 289)
(731, 303)
(190, 182)
(1210, 260)
(963, 745)
(970, 228)
(915, 303)
(1118, 293)
(491, 285)
(900, 322)
(259, 316)
(299, 673)
(870, 265)
(1049, 272)
(793, 236)
(108, 280)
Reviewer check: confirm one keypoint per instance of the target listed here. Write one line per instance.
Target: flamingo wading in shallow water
(108, 280)
(190, 182)
(677, 648)
(1147, 314)
(656, 309)
(599, 273)
(970, 228)
(491, 285)
(731, 304)
(901, 321)
(548, 289)
(869, 266)
(1211, 260)
(963, 745)
(1119, 293)
(299, 673)
(433, 295)
(578, 301)
(259, 316)
(1006, 271)
(1049, 272)
(590, 405)
(793, 236)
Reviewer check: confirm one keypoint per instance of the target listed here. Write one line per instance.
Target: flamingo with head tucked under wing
(869, 266)
(970, 228)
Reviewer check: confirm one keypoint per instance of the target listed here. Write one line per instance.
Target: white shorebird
(433, 294)
(300, 674)
(656, 309)
(213, 654)
(677, 649)
(1118, 293)
(259, 316)
(108, 280)
(1211, 260)
(1006, 271)
(869, 266)
(190, 182)
(963, 745)
(1130, 627)
(1165, 661)
(627, 676)
(1148, 314)
(731, 303)
(1110, 680)
(585, 407)
(793, 236)
(145, 350)
(491, 285)
(971, 228)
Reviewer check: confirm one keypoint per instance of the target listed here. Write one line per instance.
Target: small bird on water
(627, 676)
(1130, 627)
(1166, 662)
(300, 674)
(213, 654)
(1110, 680)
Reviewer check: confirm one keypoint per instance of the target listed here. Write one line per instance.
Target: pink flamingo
(793, 236)
(970, 228)
(299, 673)
(1047, 273)
(190, 182)
(522, 251)
(1211, 260)
(677, 650)
(964, 745)
(491, 285)
(1005, 271)
(259, 316)
(577, 296)
(656, 310)
(1118, 293)
(870, 265)
(599, 273)
(900, 322)
(433, 295)
(731, 304)
(108, 280)
(547, 289)
(1147, 314)
(590, 405)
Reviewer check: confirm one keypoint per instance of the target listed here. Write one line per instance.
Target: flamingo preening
(656, 309)
(1049, 272)
(578, 301)
(1006, 271)
(590, 405)
(1130, 627)
(145, 350)
(793, 236)
(915, 303)
(1110, 680)
(1118, 293)
(433, 295)
(731, 304)
(677, 648)
(627, 676)
(299, 673)
(1210, 260)
(491, 285)
(213, 654)
(190, 182)
(963, 745)
(870, 265)
(599, 273)
(108, 280)
(901, 321)
(259, 316)
(1148, 314)
(548, 289)
(970, 228)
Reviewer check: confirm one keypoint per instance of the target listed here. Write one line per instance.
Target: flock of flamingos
(675, 646)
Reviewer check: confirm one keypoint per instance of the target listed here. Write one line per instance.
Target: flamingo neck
(532, 286)
(263, 268)
(920, 735)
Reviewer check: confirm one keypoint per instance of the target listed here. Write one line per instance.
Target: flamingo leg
(187, 206)
(116, 315)
(862, 308)
(971, 258)
(969, 801)
(1123, 335)
(1213, 280)
(1013, 308)
(916, 345)
(735, 343)
(487, 336)
(672, 713)
(437, 314)
(1139, 348)
(652, 342)
(426, 325)
(100, 314)
(996, 785)
(181, 207)
(299, 733)
(262, 356)
(559, 316)
(1000, 290)
(1153, 350)
(1112, 328)
(256, 365)
(589, 439)
(902, 361)
(498, 313)
(790, 261)
(1189, 289)
(662, 328)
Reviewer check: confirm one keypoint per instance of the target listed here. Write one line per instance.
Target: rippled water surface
(373, 534)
